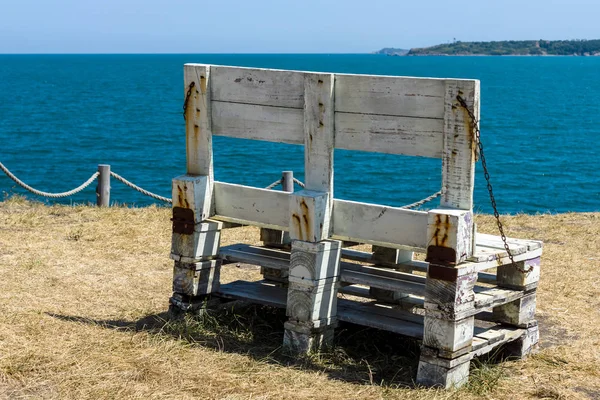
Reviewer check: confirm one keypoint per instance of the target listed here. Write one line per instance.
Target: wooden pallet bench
(465, 300)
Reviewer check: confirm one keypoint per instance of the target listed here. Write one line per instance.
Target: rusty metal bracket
(183, 220)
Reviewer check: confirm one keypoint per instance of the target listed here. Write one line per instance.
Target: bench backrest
(323, 111)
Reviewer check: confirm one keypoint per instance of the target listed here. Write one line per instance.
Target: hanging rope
(48, 194)
(139, 189)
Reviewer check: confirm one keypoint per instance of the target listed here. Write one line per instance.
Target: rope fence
(103, 189)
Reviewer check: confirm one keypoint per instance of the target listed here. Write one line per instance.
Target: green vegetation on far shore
(510, 48)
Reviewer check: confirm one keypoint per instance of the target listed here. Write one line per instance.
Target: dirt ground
(84, 294)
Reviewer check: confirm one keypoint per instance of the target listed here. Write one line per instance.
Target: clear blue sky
(270, 26)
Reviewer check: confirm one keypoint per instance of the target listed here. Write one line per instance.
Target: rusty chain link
(486, 174)
(187, 98)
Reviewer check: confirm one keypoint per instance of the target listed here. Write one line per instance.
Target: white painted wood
(379, 225)
(309, 216)
(249, 121)
(448, 335)
(251, 206)
(266, 87)
(482, 261)
(319, 133)
(450, 236)
(202, 244)
(432, 375)
(311, 303)
(255, 255)
(310, 263)
(390, 95)
(389, 134)
(369, 314)
(198, 128)
(519, 312)
(382, 282)
(511, 277)
(196, 279)
(484, 239)
(193, 192)
(459, 156)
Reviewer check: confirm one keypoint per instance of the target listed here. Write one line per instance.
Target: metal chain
(425, 200)
(187, 98)
(274, 184)
(139, 189)
(486, 174)
(47, 194)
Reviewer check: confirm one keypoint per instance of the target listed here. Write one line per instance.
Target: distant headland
(504, 48)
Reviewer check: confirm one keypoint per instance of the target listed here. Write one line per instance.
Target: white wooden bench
(323, 111)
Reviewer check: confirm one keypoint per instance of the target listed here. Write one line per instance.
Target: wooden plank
(390, 95)
(496, 241)
(383, 272)
(355, 290)
(267, 87)
(458, 160)
(249, 121)
(364, 256)
(507, 335)
(242, 253)
(255, 292)
(491, 335)
(389, 134)
(380, 225)
(198, 129)
(318, 133)
(363, 314)
(382, 282)
(483, 260)
(251, 206)
(478, 343)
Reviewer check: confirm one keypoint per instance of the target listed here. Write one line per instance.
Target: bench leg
(312, 296)
(448, 330)
(197, 271)
(521, 312)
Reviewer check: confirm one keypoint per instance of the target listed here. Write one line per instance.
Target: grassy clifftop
(84, 291)
(513, 47)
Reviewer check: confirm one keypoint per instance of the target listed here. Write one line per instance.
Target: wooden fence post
(276, 238)
(103, 188)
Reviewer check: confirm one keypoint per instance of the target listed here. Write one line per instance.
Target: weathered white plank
(367, 257)
(255, 255)
(368, 315)
(266, 87)
(318, 132)
(251, 206)
(486, 260)
(389, 134)
(248, 121)
(458, 159)
(198, 128)
(389, 95)
(496, 241)
(380, 225)
(382, 282)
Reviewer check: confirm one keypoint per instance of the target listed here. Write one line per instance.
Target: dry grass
(84, 291)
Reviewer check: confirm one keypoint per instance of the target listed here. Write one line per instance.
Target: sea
(62, 115)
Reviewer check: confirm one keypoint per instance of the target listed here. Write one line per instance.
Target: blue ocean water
(61, 115)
